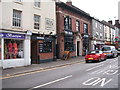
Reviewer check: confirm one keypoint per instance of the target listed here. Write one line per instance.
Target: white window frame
(37, 22)
(17, 18)
(77, 25)
(37, 3)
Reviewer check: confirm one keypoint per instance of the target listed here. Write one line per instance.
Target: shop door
(57, 51)
(78, 48)
(34, 59)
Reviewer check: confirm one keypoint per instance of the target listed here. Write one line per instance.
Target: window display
(69, 44)
(45, 47)
(13, 49)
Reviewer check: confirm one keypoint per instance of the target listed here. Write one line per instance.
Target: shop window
(45, 47)
(0, 49)
(69, 44)
(13, 49)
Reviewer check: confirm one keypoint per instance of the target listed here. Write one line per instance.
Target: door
(78, 48)
(34, 59)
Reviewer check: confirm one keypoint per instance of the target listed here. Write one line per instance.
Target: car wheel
(114, 55)
(99, 60)
(105, 58)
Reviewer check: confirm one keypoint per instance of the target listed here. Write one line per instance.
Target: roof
(108, 24)
(73, 8)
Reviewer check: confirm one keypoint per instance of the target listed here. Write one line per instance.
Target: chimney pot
(69, 2)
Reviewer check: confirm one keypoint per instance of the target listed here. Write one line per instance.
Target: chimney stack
(110, 21)
(116, 21)
(69, 2)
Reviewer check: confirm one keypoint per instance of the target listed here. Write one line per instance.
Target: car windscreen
(93, 52)
(105, 48)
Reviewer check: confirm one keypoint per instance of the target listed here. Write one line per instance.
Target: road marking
(96, 80)
(94, 67)
(51, 82)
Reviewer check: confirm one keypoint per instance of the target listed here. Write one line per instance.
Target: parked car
(95, 55)
(118, 52)
(110, 51)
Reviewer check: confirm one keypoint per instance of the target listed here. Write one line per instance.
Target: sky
(101, 9)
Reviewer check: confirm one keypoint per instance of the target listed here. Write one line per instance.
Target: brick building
(73, 29)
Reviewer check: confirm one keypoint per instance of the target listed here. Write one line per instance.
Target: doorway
(34, 59)
(78, 48)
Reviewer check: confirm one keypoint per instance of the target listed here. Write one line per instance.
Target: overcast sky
(101, 9)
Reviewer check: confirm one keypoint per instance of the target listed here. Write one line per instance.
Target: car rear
(92, 57)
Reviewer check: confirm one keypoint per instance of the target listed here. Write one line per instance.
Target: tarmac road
(79, 75)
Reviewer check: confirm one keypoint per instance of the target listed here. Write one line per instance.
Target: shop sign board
(11, 35)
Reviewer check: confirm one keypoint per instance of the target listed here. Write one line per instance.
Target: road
(80, 75)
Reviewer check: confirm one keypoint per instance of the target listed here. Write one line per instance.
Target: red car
(95, 55)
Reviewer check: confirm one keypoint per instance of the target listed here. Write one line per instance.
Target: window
(101, 36)
(45, 47)
(105, 35)
(36, 22)
(77, 26)
(13, 49)
(19, 0)
(16, 18)
(96, 24)
(100, 26)
(85, 28)
(67, 23)
(37, 3)
(69, 44)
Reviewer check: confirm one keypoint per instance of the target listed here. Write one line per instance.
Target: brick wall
(61, 12)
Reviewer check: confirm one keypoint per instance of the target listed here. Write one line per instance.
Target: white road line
(94, 67)
(51, 82)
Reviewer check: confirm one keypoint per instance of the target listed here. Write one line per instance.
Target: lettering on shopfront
(10, 35)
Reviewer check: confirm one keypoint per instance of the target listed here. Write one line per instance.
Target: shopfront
(43, 49)
(14, 49)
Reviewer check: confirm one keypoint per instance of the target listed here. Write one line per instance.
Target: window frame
(85, 31)
(36, 22)
(78, 25)
(17, 21)
(37, 3)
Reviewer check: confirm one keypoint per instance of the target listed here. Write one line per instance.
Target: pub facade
(73, 29)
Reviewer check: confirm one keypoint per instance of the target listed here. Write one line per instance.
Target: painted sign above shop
(11, 35)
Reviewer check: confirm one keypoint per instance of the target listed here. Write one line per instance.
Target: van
(110, 51)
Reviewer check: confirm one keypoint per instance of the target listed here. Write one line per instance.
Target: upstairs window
(37, 3)
(16, 18)
(19, 0)
(85, 28)
(77, 26)
(67, 23)
(36, 22)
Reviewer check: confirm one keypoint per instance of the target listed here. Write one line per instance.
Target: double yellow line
(41, 70)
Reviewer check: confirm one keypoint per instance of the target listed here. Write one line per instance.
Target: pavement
(42, 66)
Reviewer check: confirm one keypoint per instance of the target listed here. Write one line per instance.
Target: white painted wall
(107, 30)
(47, 10)
(119, 11)
(0, 15)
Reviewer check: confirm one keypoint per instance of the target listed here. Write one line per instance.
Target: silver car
(110, 51)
